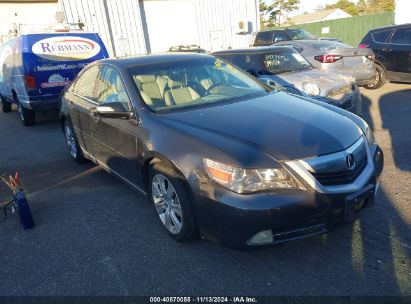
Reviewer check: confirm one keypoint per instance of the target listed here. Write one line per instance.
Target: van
(34, 69)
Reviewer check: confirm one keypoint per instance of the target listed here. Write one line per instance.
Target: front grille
(342, 177)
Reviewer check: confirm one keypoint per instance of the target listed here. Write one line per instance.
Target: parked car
(269, 37)
(219, 153)
(392, 48)
(34, 68)
(282, 66)
(188, 48)
(337, 57)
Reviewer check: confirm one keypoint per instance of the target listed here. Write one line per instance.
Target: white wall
(27, 13)
(154, 25)
(338, 14)
(402, 11)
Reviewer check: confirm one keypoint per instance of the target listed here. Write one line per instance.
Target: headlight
(250, 180)
(311, 88)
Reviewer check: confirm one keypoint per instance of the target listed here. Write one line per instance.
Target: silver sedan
(337, 57)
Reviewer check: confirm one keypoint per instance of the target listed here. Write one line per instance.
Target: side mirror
(113, 110)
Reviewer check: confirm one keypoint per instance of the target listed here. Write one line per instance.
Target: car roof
(157, 58)
(394, 26)
(251, 50)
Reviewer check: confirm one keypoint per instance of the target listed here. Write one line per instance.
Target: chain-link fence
(349, 30)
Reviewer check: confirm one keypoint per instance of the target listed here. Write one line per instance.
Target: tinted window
(110, 88)
(264, 37)
(246, 62)
(280, 36)
(381, 36)
(84, 85)
(402, 36)
(193, 83)
(296, 34)
(284, 60)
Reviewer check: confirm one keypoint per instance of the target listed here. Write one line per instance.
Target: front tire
(72, 144)
(172, 203)
(27, 116)
(5, 106)
(380, 78)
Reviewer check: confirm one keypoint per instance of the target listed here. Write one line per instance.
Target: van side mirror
(113, 110)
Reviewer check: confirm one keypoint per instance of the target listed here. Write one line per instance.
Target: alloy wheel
(167, 203)
(70, 140)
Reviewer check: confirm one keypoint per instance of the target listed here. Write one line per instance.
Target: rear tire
(172, 203)
(72, 144)
(380, 78)
(27, 116)
(5, 106)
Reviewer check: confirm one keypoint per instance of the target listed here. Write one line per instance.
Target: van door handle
(386, 50)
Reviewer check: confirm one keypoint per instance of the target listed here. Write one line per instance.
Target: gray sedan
(337, 57)
(285, 69)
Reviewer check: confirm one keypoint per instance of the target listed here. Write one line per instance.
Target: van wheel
(380, 78)
(167, 191)
(5, 106)
(28, 117)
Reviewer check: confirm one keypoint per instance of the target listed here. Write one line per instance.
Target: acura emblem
(350, 160)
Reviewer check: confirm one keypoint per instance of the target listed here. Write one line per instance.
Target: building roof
(312, 17)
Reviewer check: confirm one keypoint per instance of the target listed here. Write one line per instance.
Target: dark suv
(392, 48)
(272, 36)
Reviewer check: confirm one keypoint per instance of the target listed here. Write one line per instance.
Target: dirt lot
(96, 236)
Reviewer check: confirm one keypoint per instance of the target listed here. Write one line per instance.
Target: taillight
(29, 82)
(327, 58)
(362, 46)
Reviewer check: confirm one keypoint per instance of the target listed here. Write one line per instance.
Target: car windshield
(328, 45)
(283, 60)
(296, 34)
(192, 83)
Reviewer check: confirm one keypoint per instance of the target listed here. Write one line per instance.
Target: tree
(347, 6)
(279, 9)
(376, 6)
(362, 7)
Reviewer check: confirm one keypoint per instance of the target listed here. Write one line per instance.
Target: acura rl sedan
(220, 154)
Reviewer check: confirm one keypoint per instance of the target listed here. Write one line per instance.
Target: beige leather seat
(152, 88)
(179, 94)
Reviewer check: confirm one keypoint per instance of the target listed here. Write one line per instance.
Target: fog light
(261, 238)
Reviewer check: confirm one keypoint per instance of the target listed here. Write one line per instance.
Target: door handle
(386, 50)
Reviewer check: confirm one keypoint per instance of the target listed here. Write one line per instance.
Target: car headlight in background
(250, 180)
(311, 88)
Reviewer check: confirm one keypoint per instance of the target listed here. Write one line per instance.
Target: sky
(310, 5)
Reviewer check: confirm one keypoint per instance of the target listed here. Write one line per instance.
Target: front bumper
(233, 219)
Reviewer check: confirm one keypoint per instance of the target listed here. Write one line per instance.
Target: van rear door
(53, 60)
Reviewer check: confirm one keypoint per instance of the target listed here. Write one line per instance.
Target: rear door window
(84, 85)
(381, 36)
(402, 36)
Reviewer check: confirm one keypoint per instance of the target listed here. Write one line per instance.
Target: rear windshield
(328, 45)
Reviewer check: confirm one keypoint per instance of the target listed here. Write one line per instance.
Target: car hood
(326, 81)
(280, 125)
